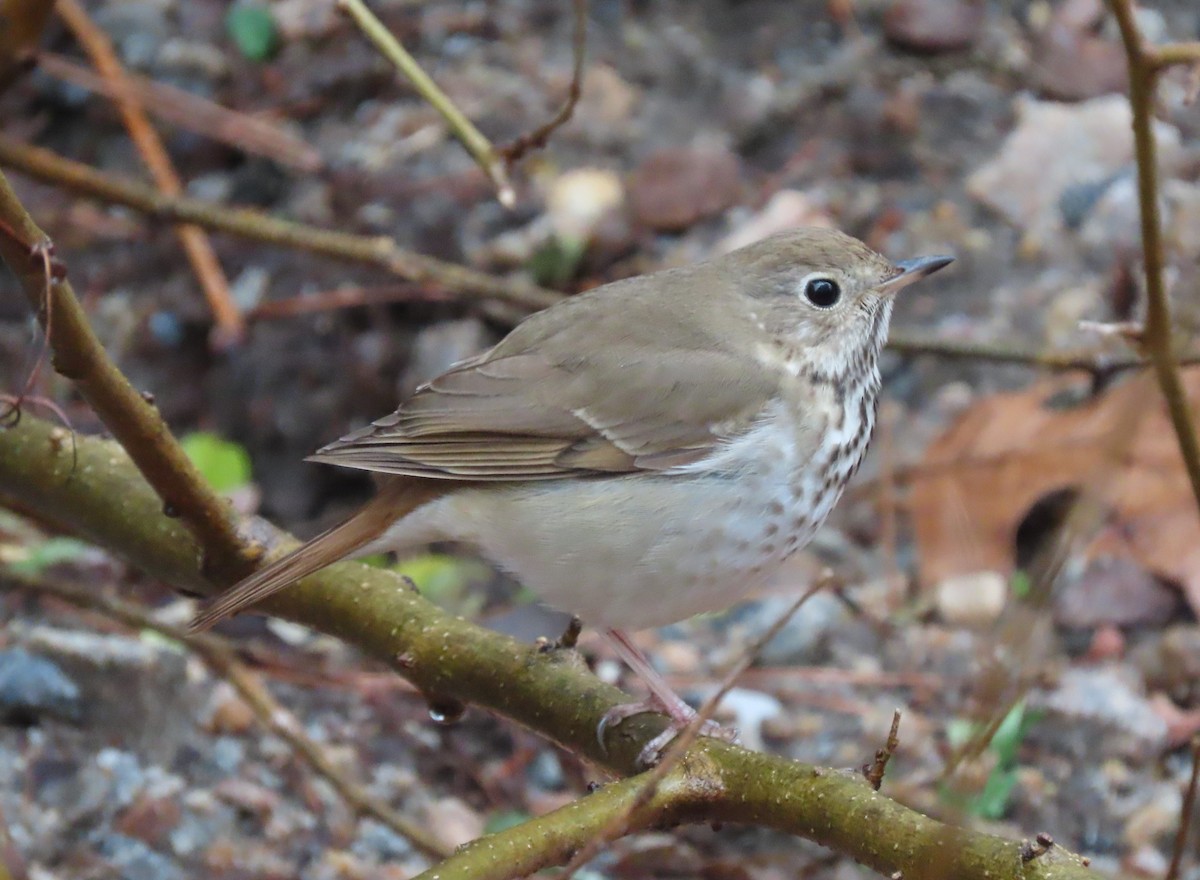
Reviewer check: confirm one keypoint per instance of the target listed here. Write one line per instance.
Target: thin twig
(221, 657)
(1143, 77)
(345, 298)
(1095, 362)
(875, 770)
(480, 148)
(679, 746)
(1185, 814)
(373, 250)
(191, 112)
(230, 327)
(1172, 54)
(537, 139)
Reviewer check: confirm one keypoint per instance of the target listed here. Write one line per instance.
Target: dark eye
(822, 292)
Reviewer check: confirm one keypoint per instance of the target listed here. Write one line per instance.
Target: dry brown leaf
(982, 476)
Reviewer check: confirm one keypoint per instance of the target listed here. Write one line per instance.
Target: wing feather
(605, 394)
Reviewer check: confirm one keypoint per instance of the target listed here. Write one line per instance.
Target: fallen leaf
(981, 477)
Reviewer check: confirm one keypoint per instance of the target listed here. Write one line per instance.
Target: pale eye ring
(822, 292)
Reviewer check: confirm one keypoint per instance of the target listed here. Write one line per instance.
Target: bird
(639, 453)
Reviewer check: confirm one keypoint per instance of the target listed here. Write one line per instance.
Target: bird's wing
(564, 407)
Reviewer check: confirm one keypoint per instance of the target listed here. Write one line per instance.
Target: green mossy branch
(94, 490)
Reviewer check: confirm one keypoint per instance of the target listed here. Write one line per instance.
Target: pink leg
(662, 698)
(665, 698)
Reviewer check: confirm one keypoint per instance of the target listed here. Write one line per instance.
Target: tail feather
(394, 501)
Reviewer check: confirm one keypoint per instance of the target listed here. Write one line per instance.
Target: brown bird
(640, 453)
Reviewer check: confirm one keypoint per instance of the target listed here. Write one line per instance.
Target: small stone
(1156, 819)
(1115, 591)
(787, 209)
(974, 599)
(229, 713)
(578, 201)
(750, 710)
(932, 26)
(676, 188)
(453, 821)
(33, 688)
(1053, 147)
(1171, 663)
(1107, 707)
(133, 691)
(1072, 60)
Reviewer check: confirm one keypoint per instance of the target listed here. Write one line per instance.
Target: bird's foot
(680, 714)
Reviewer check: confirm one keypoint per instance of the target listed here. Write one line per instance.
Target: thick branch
(98, 493)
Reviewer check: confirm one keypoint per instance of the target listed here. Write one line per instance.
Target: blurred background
(1009, 506)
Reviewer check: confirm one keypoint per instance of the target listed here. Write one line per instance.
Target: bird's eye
(822, 292)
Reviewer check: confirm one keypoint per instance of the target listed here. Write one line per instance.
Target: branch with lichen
(98, 493)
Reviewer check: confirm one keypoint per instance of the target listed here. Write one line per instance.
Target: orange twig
(230, 325)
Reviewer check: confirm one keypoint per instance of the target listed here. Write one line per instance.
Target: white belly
(642, 550)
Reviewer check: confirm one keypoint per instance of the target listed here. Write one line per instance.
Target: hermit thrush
(640, 453)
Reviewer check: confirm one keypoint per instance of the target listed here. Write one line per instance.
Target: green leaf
(36, 558)
(224, 464)
(993, 801)
(1008, 737)
(1021, 584)
(556, 262)
(253, 30)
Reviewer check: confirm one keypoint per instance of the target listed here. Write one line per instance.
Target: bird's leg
(662, 699)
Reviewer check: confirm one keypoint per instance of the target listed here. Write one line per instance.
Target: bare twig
(1144, 67)
(230, 327)
(875, 770)
(373, 250)
(1094, 362)
(345, 298)
(221, 657)
(480, 148)
(1185, 814)
(251, 134)
(537, 139)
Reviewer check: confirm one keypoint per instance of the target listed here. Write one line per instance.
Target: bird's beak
(914, 270)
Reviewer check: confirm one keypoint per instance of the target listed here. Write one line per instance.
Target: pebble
(577, 201)
(675, 188)
(1156, 818)
(453, 821)
(786, 209)
(750, 710)
(1053, 147)
(933, 26)
(228, 712)
(1114, 591)
(1102, 704)
(974, 599)
(131, 859)
(1072, 61)
(134, 690)
(33, 688)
